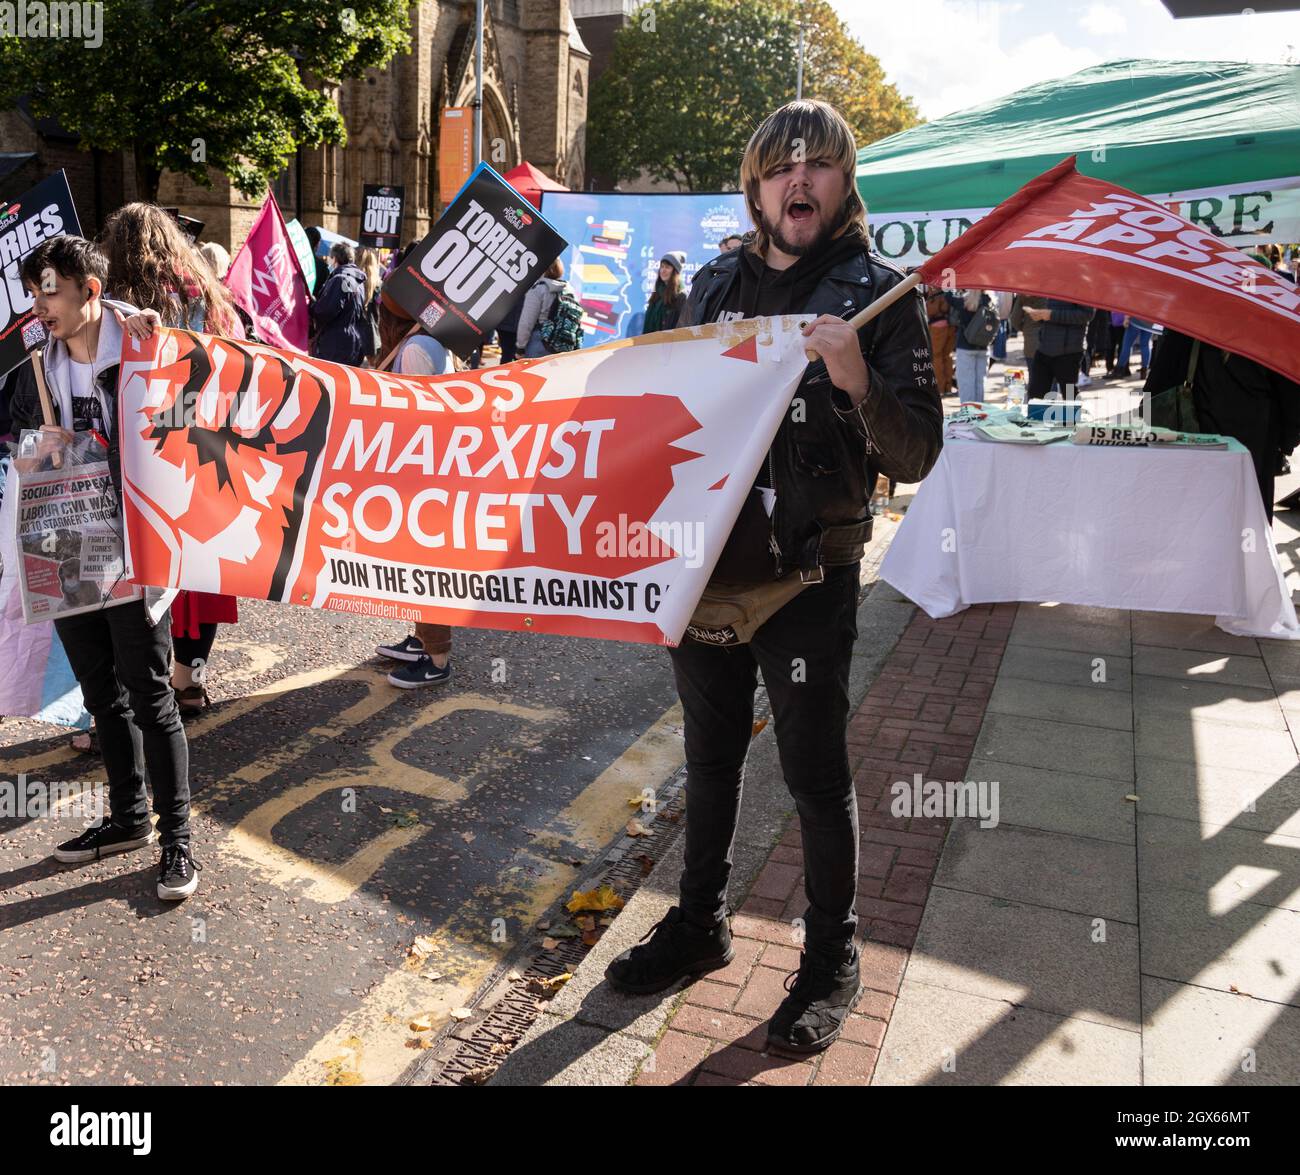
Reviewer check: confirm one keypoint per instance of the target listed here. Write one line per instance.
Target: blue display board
(616, 240)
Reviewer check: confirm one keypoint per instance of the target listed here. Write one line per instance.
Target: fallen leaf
(419, 950)
(419, 1042)
(548, 987)
(544, 924)
(563, 932)
(422, 1023)
(647, 864)
(587, 922)
(1131, 798)
(461, 1013)
(549, 944)
(479, 1076)
(591, 937)
(467, 837)
(636, 828)
(602, 898)
(758, 727)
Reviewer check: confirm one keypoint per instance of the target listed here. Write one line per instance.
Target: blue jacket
(343, 333)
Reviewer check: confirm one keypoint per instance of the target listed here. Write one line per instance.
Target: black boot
(677, 948)
(822, 994)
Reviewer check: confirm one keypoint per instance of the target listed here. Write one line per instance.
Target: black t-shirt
(747, 556)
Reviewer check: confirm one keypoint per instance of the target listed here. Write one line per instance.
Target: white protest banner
(587, 493)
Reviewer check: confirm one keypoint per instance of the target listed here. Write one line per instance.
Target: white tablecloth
(1163, 530)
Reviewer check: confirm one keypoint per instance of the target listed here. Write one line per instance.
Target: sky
(948, 55)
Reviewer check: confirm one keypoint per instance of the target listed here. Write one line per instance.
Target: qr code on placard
(431, 314)
(33, 334)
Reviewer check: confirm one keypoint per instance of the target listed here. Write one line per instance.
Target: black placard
(43, 212)
(482, 257)
(381, 216)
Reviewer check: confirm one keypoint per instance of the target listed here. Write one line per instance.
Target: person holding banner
(153, 267)
(868, 405)
(121, 658)
(425, 657)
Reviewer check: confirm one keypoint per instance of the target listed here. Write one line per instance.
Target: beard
(789, 247)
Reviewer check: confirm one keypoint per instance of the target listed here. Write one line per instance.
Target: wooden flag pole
(388, 359)
(47, 404)
(42, 389)
(881, 304)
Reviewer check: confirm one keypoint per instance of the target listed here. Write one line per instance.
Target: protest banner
(37, 681)
(381, 216)
(482, 257)
(587, 493)
(266, 281)
(69, 534)
(43, 212)
(1068, 235)
(455, 151)
(302, 251)
(617, 238)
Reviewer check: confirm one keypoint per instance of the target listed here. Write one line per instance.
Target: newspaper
(1138, 437)
(69, 530)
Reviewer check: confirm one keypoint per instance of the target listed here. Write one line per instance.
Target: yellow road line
(463, 949)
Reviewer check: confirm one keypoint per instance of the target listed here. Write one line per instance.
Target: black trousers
(1045, 370)
(190, 650)
(804, 652)
(123, 664)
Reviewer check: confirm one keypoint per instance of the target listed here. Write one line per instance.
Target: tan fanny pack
(729, 614)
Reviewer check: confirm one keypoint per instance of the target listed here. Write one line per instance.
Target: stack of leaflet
(1017, 431)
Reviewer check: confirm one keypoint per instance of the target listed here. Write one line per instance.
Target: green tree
(689, 80)
(203, 83)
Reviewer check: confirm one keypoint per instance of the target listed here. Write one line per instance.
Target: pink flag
(265, 280)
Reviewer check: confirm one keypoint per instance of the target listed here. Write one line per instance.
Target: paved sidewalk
(921, 714)
(1127, 913)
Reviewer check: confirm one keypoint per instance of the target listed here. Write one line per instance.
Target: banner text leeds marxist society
(524, 452)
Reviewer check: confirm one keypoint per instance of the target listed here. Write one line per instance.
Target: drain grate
(470, 1052)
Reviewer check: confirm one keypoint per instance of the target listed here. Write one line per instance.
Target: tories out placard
(43, 212)
(481, 257)
(587, 493)
(381, 216)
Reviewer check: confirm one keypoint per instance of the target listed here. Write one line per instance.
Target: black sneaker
(100, 840)
(678, 948)
(407, 649)
(178, 876)
(421, 671)
(822, 994)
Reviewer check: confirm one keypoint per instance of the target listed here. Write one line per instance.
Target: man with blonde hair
(868, 406)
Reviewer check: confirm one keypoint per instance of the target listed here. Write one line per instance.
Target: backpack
(982, 328)
(562, 330)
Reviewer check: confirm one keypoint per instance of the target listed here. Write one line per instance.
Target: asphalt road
(337, 819)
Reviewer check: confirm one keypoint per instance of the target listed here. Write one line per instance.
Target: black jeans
(123, 664)
(804, 652)
(1044, 370)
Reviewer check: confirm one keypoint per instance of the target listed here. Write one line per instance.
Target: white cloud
(949, 55)
(1103, 20)
(952, 54)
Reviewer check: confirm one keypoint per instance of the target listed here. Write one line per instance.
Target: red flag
(1071, 236)
(265, 280)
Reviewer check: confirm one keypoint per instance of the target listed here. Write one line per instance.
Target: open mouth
(799, 211)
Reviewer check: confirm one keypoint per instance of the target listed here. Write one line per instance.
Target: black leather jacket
(825, 459)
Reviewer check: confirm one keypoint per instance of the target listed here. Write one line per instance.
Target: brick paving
(922, 714)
